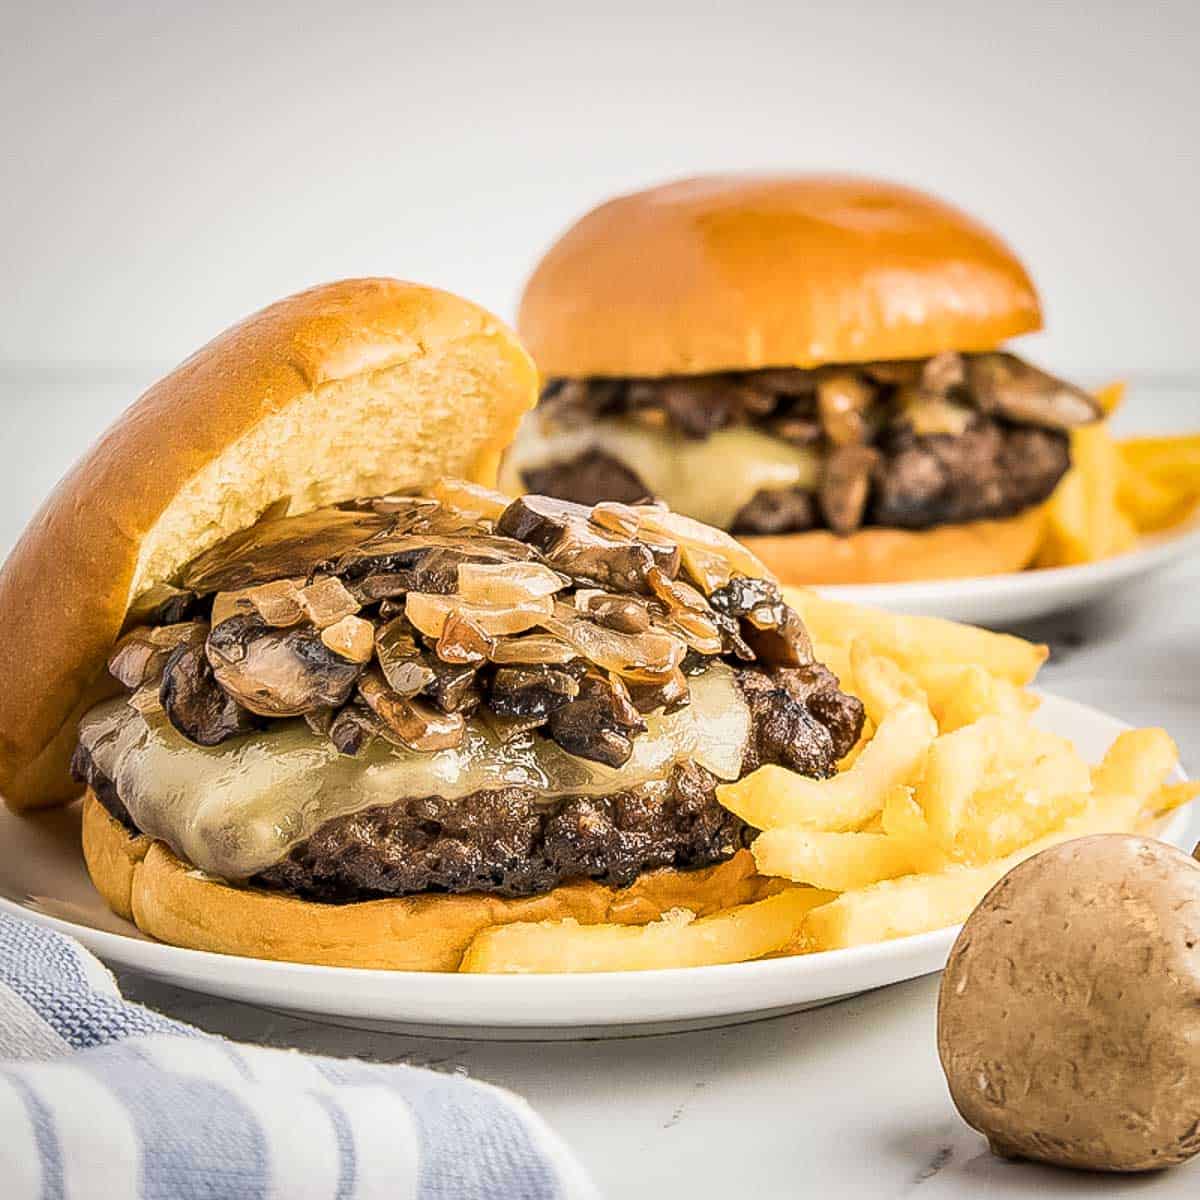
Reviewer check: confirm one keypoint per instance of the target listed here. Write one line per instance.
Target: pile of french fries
(950, 787)
(1116, 491)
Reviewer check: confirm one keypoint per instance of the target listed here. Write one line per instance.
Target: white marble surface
(845, 1101)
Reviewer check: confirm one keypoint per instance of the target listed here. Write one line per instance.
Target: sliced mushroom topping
(772, 630)
(278, 672)
(672, 694)
(463, 640)
(403, 663)
(647, 657)
(943, 373)
(325, 601)
(570, 541)
(140, 656)
(353, 728)
(193, 702)
(533, 648)
(689, 534)
(626, 614)
(507, 583)
(1003, 385)
(161, 604)
(416, 725)
(530, 691)
(429, 613)
(843, 399)
(846, 487)
(688, 610)
(279, 549)
(599, 725)
(352, 638)
(615, 518)
(454, 689)
(895, 372)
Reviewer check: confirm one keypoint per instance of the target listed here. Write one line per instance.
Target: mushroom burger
(812, 363)
(333, 699)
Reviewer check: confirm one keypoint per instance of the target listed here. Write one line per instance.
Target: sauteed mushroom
(278, 672)
(846, 487)
(1003, 385)
(598, 725)
(203, 712)
(140, 656)
(530, 691)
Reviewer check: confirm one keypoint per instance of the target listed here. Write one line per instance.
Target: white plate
(1023, 595)
(42, 876)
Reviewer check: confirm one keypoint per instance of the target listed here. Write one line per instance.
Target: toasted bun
(738, 272)
(144, 882)
(876, 555)
(351, 389)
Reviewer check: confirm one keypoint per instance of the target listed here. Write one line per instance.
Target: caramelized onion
(532, 649)
(351, 637)
(428, 614)
(326, 601)
(643, 656)
(470, 498)
(507, 583)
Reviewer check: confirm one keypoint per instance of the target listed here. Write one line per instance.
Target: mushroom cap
(1069, 1012)
(357, 388)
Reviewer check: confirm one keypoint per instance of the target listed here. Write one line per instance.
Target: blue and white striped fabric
(103, 1098)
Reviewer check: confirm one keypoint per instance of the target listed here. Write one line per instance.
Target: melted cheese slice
(235, 809)
(710, 479)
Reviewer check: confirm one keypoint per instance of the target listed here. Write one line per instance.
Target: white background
(168, 167)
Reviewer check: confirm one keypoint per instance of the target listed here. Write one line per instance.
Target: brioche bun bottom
(142, 881)
(877, 555)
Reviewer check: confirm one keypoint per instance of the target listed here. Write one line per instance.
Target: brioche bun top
(736, 272)
(348, 389)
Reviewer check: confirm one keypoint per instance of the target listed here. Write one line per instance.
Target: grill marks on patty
(908, 444)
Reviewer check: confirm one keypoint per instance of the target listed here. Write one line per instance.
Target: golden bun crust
(876, 555)
(143, 881)
(734, 272)
(349, 389)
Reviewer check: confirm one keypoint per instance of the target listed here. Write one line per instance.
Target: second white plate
(42, 877)
(998, 600)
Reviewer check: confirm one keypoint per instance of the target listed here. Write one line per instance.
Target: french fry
(1130, 776)
(1173, 460)
(960, 695)
(837, 862)
(881, 684)
(1150, 504)
(774, 797)
(993, 785)
(677, 940)
(912, 641)
(900, 907)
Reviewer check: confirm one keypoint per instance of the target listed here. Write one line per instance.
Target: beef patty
(512, 842)
(910, 444)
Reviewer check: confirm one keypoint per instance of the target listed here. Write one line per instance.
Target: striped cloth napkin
(103, 1098)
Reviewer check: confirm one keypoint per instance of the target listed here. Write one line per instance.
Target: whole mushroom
(1069, 1013)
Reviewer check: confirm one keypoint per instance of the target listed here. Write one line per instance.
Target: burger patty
(908, 444)
(508, 843)
(511, 842)
(992, 470)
